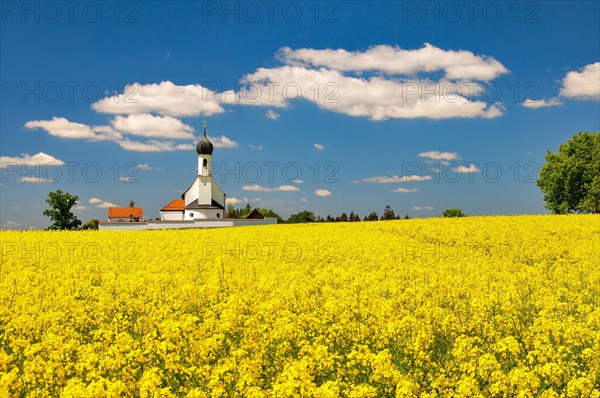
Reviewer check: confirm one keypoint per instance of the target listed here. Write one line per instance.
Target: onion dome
(204, 146)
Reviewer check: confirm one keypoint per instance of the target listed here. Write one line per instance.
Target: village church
(203, 198)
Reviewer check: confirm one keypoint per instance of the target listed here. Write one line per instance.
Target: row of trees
(307, 216)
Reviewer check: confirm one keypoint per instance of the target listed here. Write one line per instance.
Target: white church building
(203, 198)
(202, 205)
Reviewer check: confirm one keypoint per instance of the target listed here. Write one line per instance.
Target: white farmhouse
(203, 199)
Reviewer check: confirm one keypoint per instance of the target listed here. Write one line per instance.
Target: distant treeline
(307, 216)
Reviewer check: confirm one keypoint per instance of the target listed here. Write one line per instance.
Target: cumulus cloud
(323, 192)
(422, 208)
(467, 169)
(100, 203)
(260, 188)
(223, 142)
(534, 104)
(61, 127)
(153, 146)
(271, 114)
(161, 129)
(395, 60)
(234, 201)
(405, 190)
(79, 208)
(36, 180)
(106, 205)
(394, 179)
(376, 97)
(147, 125)
(39, 159)
(165, 98)
(11, 225)
(319, 147)
(583, 84)
(437, 155)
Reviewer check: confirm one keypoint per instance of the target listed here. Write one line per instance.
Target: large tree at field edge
(570, 179)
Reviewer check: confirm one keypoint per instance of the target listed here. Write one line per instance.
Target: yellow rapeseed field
(480, 306)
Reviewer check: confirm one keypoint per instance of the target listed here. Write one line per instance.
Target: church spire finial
(205, 127)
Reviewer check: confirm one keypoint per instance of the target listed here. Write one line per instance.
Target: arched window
(205, 163)
(218, 215)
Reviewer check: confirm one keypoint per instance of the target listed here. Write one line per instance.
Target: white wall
(171, 215)
(104, 226)
(191, 194)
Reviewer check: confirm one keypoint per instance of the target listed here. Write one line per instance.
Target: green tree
(230, 211)
(570, 179)
(373, 216)
(388, 213)
(92, 224)
(60, 210)
(454, 212)
(302, 217)
(131, 203)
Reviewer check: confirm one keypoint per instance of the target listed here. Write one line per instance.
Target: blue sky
(95, 87)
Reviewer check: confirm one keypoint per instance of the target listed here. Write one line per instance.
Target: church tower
(203, 198)
(205, 150)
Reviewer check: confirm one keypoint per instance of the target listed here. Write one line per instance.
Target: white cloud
(234, 201)
(404, 190)
(61, 127)
(80, 208)
(36, 180)
(395, 60)
(145, 166)
(304, 200)
(11, 224)
(297, 182)
(534, 104)
(153, 146)
(323, 192)
(394, 179)
(422, 208)
(464, 169)
(584, 84)
(437, 155)
(377, 97)
(223, 142)
(256, 147)
(106, 205)
(271, 114)
(319, 147)
(95, 201)
(165, 98)
(147, 125)
(39, 159)
(260, 188)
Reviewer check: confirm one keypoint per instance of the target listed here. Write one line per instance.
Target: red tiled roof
(125, 212)
(175, 205)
